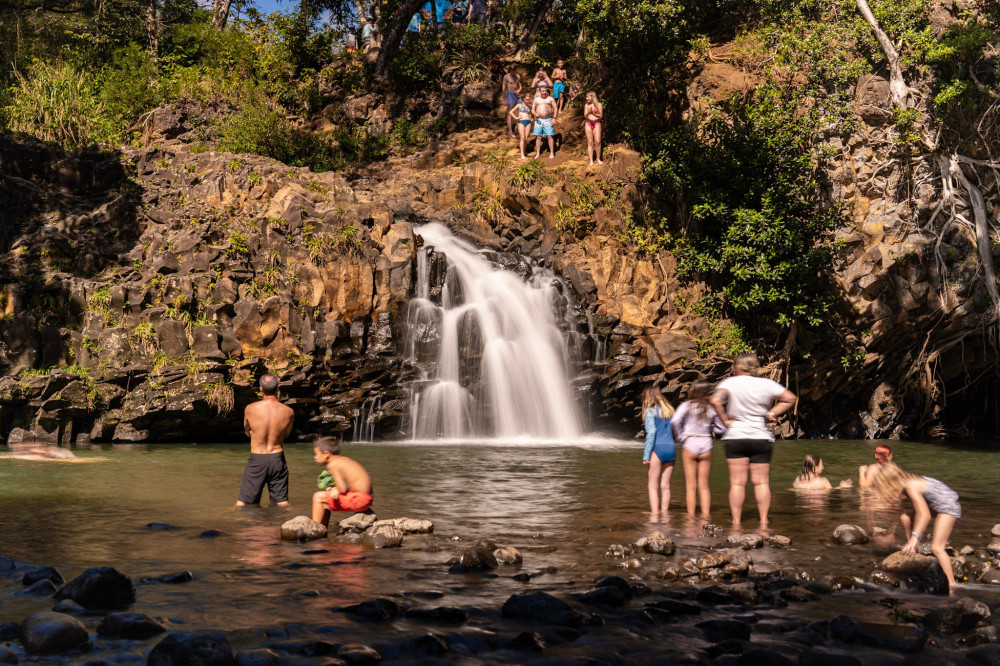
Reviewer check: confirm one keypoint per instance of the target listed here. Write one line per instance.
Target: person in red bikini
(593, 114)
(352, 489)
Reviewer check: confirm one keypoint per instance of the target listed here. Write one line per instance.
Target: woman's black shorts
(757, 450)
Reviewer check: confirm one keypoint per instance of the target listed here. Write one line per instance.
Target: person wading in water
(267, 423)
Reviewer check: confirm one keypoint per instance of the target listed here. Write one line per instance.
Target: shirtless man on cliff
(267, 423)
(545, 111)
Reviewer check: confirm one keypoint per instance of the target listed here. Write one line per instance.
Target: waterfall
(493, 359)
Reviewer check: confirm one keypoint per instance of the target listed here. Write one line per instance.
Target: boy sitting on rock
(351, 488)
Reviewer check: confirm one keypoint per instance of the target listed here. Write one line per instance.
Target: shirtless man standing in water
(267, 422)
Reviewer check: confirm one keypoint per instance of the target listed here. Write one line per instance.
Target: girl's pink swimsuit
(694, 429)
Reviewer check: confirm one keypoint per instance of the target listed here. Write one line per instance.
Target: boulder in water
(32, 575)
(7, 656)
(713, 560)
(376, 610)
(541, 607)
(409, 525)
(192, 648)
(100, 588)
(479, 557)
(302, 528)
(849, 535)
(779, 541)
(993, 548)
(990, 577)
(7, 564)
(995, 531)
(657, 543)
(960, 616)
(50, 633)
(745, 541)
(358, 523)
(508, 555)
(258, 657)
(358, 655)
(130, 625)
(921, 572)
(40, 588)
(383, 536)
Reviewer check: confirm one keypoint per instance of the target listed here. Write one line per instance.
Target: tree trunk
(531, 28)
(897, 84)
(393, 33)
(581, 39)
(220, 13)
(152, 30)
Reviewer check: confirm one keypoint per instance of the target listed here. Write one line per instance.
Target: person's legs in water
(320, 511)
(598, 129)
(739, 471)
(589, 131)
(690, 463)
(653, 485)
(943, 525)
(666, 471)
(704, 493)
(760, 477)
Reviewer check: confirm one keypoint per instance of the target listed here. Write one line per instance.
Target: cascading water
(493, 358)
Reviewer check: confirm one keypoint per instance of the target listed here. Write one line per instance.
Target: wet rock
(170, 579)
(993, 548)
(51, 633)
(991, 577)
(616, 582)
(745, 541)
(34, 574)
(258, 657)
(745, 592)
(714, 595)
(302, 528)
(307, 648)
(7, 564)
(676, 607)
(779, 541)
(798, 594)
(721, 630)
(713, 560)
(763, 657)
(981, 636)
(479, 557)
(542, 607)
(376, 610)
(669, 571)
(41, 588)
(995, 530)
(359, 655)
(602, 596)
(383, 536)
(210, 534)
(359, 522)
(130, 625)
(410, 525)
(712, 529)
(849, 534)
(192, 648)
(508, 555)
(442, 614)
(921, 572)
(7, 656)
(428, 645)
(884, 578)
(657, 543)
(9, 630)
(528, 642)
(100, 588)
(960, 616)
(69, 607)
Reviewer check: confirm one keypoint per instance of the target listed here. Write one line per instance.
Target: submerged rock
(359, 655)
(542, 607)
(41, 588)
(302, 528)
(383, 536)
(258, 657)
(377, 610)
(849, 535)
(657, 543)
(50, 633)
(100, 588)
(192, 648)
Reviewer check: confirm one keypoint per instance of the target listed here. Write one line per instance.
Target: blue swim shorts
(557, 89)
(512, 100)
(543, 127)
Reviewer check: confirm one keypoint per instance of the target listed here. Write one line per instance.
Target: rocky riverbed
(689, 598)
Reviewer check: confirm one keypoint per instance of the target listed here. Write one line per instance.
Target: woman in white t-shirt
(749, 407)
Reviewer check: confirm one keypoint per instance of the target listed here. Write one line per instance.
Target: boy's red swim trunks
(352, 500)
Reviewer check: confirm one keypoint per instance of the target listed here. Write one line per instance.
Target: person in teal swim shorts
(544, 108)
(561, 81)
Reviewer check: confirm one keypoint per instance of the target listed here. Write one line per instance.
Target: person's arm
(339, 483)
(921, 515)
(246, 425)
(824, 483)
(677, 423)
(718, 401)
(782, 404)
(863, 476)
(649, 423)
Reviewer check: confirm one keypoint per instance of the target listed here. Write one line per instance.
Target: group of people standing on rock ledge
(344, 485)
(743, 409)
(538, 112)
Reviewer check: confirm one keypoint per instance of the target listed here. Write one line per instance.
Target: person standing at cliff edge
(749, 406)
(267, 423)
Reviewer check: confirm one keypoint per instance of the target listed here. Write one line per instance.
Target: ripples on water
(561, 505)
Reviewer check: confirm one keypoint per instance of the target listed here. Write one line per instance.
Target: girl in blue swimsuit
(659, 453)
(521, 112)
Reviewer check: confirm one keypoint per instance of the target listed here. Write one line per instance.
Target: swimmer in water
(866, 473)
(812, 477)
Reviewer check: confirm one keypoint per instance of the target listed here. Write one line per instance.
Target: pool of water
(561, 505)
